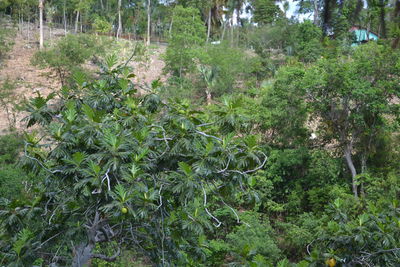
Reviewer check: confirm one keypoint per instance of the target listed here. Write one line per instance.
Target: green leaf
(186, 168)
(88, 111)
(78, 158)
(251, 180)
(80, 78)
(111, 61)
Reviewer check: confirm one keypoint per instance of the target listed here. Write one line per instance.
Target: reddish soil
(30, 79)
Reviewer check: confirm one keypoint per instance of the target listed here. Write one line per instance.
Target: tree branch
(107, 258)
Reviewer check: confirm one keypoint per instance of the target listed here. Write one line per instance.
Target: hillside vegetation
(178, 133)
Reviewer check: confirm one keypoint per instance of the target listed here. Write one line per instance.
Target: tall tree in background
(396, 23)
(382, 15)
(327, 15)
(77, 16)
(119, 30)
(41, 7)
(148, 22)
(188, 33)
(316, 12)
(354, 98)
(264, 11)
(210, 6)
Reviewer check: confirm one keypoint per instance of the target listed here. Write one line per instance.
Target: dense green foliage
(187, 35)
(139, 160)
(276, 146)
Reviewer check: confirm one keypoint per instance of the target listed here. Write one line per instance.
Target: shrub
(367, 237)
(254, 237)
(8, 101)
(101, 25)
(6, 41)
(231, 65)
(188, 33)
(67, 55)
(12, 178)
(308, 45)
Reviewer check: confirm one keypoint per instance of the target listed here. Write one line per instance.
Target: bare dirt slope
(30, 79)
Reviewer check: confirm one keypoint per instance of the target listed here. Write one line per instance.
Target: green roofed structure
(362, 35)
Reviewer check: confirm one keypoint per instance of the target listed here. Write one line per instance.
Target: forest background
(199, 133)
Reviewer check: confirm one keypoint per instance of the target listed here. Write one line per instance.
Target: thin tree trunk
(81, 17)
(170, 27)
(232, 28)
(208, 25)
(223, 31)
(347, 153)
(327, 16)
(41, 5)
(28, 29)
(363, 170)
(148, 22)
(77, 21)
(316, 12)
(119, 30)
(395, 19)
(382, 16)
(65, 19)
(22, 24)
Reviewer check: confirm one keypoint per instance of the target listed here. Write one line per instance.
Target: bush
(188, 33)
(308, 45)
(101, 25)
(10, 147)
(254, 237)
(367, 237)
(231, 65)
(6, 41)
(67, 55)
(8, 101)
(12, 178)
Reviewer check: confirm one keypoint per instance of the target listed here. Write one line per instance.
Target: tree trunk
(363, 170)
(22, 25)
(65, 19)
(76, 21)
(395, 19)
(82, 255)
(170, 27)
(148, 22)
(382, 15)
(41, 5)
(232, 28)
(119, 30)
(223, 31)
(316, 12)
(209, 25)
(28, 29)
(327, 12)
(81, 17)
(347, 153)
